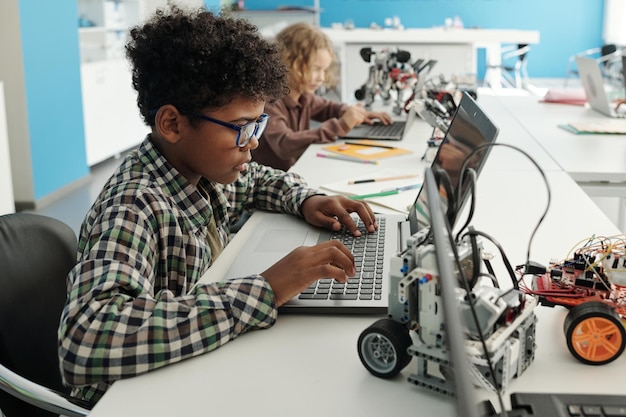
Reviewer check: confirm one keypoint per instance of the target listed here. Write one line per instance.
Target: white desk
(596, 162)
(454, 49)
(587, 158)
(417, 132)
(308, 365)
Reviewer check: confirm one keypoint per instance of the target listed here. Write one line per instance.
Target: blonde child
(308, 55)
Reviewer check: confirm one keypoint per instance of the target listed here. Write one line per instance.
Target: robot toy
(504, 331)
(391, 71)
(592, 285)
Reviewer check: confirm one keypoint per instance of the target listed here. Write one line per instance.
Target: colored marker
(380, 194)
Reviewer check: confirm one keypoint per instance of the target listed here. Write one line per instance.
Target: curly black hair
(195, 59)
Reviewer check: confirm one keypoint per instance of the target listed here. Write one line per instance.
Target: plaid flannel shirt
(134, 303)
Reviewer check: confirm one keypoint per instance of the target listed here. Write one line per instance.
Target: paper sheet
(398, 202)
(608, 126)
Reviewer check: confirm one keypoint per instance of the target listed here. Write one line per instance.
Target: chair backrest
(36, 254)
(517, 52)
(608, 49)
(602, 54)
(523, 51)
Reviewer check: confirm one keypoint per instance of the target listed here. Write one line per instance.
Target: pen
(373, 145)
(380, 194)
(396, 177)
(405, 187)
(346, 158)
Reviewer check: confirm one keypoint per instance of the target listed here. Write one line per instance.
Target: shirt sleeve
(323, 109)
(286, 141)
(267, 188)
(133, 305)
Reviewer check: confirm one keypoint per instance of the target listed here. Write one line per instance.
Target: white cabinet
(103, 24)
(111, 117)
(103, 27)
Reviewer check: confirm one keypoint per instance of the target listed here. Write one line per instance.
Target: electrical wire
(470, 301)
(505, 259)
(472, 191)
(539, 169)
(481, 337)
(472, 233)
(442, 178)
(492, 278)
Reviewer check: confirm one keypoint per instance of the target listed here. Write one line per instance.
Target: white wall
(614, 25)
(12, 75)
(7, 205)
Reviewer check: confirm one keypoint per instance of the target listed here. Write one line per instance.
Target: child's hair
(195, 60)
(299, 42)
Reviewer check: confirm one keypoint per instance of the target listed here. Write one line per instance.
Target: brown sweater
(288, 133)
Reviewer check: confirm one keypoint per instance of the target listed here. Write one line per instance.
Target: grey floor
(72, 208)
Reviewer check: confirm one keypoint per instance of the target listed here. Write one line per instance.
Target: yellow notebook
(366, 150)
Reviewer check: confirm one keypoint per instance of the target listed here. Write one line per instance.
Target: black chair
(36, 254)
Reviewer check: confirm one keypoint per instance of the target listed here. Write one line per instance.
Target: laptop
(523, 404)
(378, 131)
(593, 84)
(279, 234)
(395, 131)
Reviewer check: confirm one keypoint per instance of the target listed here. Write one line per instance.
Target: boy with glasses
(134, 302)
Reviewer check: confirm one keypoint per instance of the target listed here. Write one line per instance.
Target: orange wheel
(595, 333)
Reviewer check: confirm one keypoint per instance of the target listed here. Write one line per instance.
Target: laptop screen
(469, 129)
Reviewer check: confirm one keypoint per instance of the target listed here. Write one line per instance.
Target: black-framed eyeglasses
(244, 132)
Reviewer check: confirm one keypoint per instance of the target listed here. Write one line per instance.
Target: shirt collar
(183, 193)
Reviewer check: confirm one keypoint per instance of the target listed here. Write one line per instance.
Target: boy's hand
(295, 272)
(331, 212)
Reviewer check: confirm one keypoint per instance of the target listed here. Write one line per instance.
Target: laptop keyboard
(367, 284)
(384, 131)
(597, 410)
(574, 405)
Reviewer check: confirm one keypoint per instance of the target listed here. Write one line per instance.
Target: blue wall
(52, 64)
(53, 93)
(566, 26)
(213, 5)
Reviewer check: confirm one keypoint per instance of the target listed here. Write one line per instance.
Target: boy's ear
(169, 123)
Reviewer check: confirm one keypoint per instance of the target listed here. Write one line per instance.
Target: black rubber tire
(383, 348)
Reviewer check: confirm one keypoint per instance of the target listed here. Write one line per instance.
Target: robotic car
(592, 285)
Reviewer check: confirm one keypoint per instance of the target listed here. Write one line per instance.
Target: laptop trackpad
(271, 245)
(285, 241)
